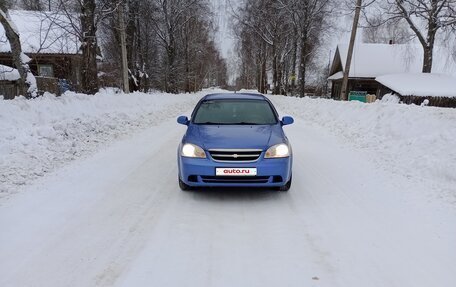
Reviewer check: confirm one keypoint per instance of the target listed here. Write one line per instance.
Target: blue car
(235, 140)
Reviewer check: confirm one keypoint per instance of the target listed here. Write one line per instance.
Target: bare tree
(89, 46)
(310, 19)
(6, 4)
(35, 5)
(265, 19)
(83, 19)
(285, 33)
(425, 18)
(377, 31)
(27, 82)
(169, 46)
(171, 17)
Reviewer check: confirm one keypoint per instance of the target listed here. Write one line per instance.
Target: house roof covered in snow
(420, 84)
(43, 32)
(373, 60)
(8, 73)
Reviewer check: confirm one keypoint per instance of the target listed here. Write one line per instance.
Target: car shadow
(217, 194)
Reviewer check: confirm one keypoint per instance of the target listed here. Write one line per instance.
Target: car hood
(235, 136)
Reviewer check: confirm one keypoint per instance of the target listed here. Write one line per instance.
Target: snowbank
(41, 134)
(417, 142)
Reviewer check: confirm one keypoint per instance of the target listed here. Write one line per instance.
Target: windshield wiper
(208, 123)
(245, 123)
(233, 124)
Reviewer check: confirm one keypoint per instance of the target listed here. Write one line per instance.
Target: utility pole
(327, 74)
(123, 47)
(343, 92)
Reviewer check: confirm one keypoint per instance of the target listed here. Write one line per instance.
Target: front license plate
(235, 171)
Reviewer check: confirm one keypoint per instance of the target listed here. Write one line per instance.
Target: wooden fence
(9, 90)
(433, 101)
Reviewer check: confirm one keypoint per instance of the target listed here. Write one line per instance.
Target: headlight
(191, 150)
(278, 151)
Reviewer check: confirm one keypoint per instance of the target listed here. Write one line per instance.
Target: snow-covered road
(118, 218)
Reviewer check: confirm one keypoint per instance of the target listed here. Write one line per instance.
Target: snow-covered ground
(41, 134)
(371, 203)
(406, 140)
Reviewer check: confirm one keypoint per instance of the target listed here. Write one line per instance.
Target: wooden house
(48, 38)
(373, 60)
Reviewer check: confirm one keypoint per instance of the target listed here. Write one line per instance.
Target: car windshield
(235, 112)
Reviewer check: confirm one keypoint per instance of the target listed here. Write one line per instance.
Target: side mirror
(183, 120)
(287, 121)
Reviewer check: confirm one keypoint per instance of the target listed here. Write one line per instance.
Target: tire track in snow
(99, 241)
(362, 220)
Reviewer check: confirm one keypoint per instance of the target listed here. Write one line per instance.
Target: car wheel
(285, 187)
(183, 186)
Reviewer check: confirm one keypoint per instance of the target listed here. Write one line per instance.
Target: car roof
(231, 96)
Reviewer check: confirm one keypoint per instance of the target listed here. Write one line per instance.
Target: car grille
(235, 179)
(235, 155)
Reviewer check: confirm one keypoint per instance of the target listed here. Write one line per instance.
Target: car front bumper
(201, 172)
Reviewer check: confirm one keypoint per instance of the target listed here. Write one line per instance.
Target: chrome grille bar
(235, 155)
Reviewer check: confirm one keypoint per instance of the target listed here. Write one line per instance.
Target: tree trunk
(263, 78)
(131, 44)
(293, 64)
(89, 48)
(303, 65)
(123, 49)
(258, 71)
(275, 75)
(279, 78)
(171, 77)
(27, 82)
(186, 59)
(286, 78)
(429, 47)
(427, 60)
